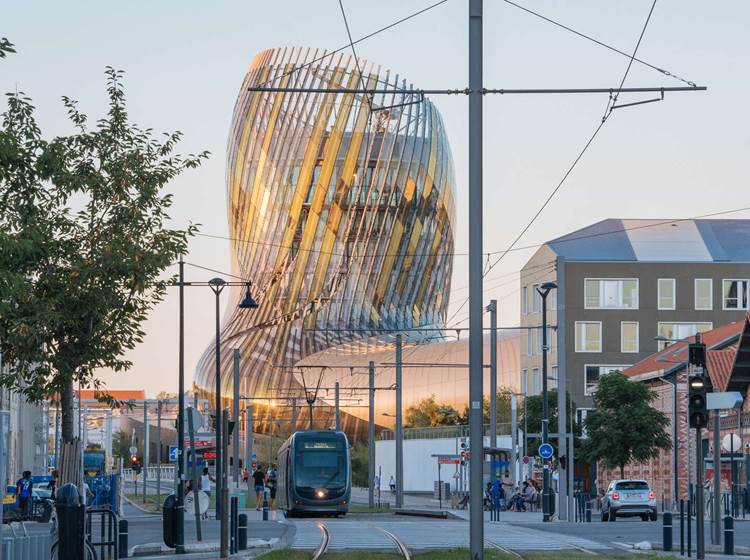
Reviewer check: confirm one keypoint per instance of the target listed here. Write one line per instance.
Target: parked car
(629, 498)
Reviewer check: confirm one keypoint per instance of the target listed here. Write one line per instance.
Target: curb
(136, 506)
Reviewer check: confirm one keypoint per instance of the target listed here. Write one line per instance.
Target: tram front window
(320, 464)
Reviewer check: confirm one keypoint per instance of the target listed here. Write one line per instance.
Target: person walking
(392, 484)
(259, 479)
(272, 483)
(206, 479)
(24, 488)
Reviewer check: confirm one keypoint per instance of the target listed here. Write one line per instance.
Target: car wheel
(612, 516)
(605, 517)
(654, 516)
(644, 517)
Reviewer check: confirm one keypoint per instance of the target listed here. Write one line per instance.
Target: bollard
(233, 506)
(265, 505)
(667, 531)
(71, 523)
(122, 538)
(729, 535)
(689, 527)
(682, 526)
(588, 511)
(242, 532)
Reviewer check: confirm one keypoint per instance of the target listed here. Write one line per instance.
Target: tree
(427, 412)
(503, 408)
(533, 408)
(84, 243)
(5, 47)
(360, 464)
(623, 426)
(121, 444)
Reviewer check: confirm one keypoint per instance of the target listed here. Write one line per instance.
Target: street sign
(173, 453)
(546, 451)
(525, 460)
(448, 461)
(723, 401)
(133, 449)
(731, 442)
(456, 475)
(253, 456)
(500, 464)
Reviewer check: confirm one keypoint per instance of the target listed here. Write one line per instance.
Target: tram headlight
(320, 493)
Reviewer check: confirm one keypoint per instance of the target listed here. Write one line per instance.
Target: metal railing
(442, 432)
(24, 545)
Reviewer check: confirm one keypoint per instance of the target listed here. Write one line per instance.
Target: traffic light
(697, 411)
(697, 354)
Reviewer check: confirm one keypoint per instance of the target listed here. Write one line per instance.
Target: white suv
(629, 498)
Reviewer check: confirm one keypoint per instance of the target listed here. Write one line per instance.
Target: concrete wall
(420, 468)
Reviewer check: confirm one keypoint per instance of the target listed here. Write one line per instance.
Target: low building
(728, 365)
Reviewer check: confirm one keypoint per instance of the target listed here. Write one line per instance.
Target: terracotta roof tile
(720, 364)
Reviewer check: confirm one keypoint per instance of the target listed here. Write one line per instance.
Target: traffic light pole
(700, 541)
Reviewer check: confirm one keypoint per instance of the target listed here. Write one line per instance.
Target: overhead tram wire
(600, 43)
(608, 112)
(368, 98)
(352, 43)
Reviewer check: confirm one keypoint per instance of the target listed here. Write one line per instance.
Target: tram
(314, 473)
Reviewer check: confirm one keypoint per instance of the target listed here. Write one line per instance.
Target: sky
(185, 61)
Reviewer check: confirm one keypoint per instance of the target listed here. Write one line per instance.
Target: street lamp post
(544, 291)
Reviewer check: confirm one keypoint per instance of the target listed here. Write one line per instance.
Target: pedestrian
(392, 484)
(244, 475)
(206, 479)
(272, 483)
(87, 493)
(376, 483)
(259, 479)
(53, 483)
(24, 488)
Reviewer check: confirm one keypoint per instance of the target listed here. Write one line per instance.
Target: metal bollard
(233, 507)
(667, 531)
(242, 532)
(122, 538)
(265, 505)
(729, 535)
(682, 526)
(689, 527)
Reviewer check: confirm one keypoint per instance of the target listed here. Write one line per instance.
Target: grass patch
(449, 554)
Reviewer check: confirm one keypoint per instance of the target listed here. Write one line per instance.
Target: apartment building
(621, 283)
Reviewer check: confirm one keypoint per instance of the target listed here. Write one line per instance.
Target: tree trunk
(67, 408)
(622, 472)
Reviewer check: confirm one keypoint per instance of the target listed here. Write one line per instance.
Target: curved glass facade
(341, 212)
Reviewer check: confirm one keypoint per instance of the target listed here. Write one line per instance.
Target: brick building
(728, 365)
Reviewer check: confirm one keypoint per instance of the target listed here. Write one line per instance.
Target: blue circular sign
(546, 451)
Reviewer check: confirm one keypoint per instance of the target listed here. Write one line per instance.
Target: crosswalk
(421, 535)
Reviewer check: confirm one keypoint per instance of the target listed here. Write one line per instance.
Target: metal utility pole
(476, 358)
(371, 439)
(492, 308)
(514, 438)
(544, 291)
(158, 454)
(236, 419)
(717, 478)
(248, 438)
(194, 477)
(224, 496)
(180, 537)
(294, 414)
(146, 454)
(217, 285)
(399, 428)
(338, 414)
(700, 551)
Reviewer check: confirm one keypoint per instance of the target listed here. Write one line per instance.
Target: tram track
(325, 539)
(400, 546)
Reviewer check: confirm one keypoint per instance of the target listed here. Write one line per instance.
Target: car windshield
(632, 485)
(320, 462)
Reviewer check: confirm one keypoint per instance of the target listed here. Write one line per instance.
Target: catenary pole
(236, 419)
(546, 490)
(338, 413)
(492, 308)
(514, 438)
(146, 450)
(180, 537)
(716, 479)
(371, 439)
(294, 414)
(399, 426)
(476, 443)
(248, 444)
(562, 437)
(158, 454)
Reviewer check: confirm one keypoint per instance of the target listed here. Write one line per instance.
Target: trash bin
(71, 515)
(169, 521)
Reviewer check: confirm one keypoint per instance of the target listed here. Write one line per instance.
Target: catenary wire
(591, 139)
(600, 43)
(368, 98)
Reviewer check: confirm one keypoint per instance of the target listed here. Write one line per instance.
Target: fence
(24, 545)
(442, 432)
(167, 474)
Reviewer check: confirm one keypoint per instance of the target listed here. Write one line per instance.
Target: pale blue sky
(186, 60)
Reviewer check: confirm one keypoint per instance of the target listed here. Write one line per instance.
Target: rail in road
(406, 536)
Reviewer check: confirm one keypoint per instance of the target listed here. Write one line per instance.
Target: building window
(666, 296)
(553, 379)
(530, 342)
(588, 336)
(594, 373)
(536, 299)
(629, 336)
(525, 381)
(536, 381)
(611, 293)
(678, 331)
(581, 414)
(538, 344)
(704, 293)
(525, 300)
(735, 294)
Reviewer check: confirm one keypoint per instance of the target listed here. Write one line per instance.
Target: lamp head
(547, 286)
(216, 282)
(248, 302)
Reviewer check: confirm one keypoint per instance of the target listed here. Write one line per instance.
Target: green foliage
(624, 427)
(360, 460)
(427, 412)
(533, 413)
(6, 47)
(84, 243)
(503, 408)
(121, 443)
